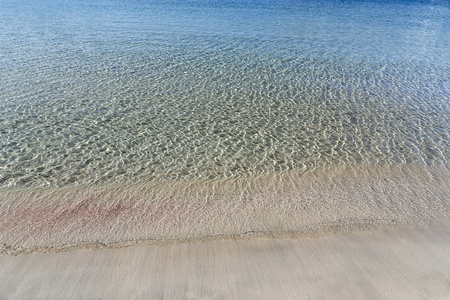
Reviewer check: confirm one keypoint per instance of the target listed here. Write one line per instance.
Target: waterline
(292, 204)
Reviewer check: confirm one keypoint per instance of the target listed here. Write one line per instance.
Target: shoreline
(400, 264)
(319, 203)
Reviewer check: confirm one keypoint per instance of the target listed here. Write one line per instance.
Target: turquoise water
(105, 92)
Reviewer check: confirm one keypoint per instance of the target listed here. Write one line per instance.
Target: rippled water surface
(96, 92)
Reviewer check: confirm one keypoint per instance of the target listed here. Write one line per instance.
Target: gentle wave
(318, 202)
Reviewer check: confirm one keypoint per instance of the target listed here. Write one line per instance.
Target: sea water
(200, 96)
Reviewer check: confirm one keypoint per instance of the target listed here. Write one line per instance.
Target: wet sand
(395, 264)
(321, 202)
(351, 233)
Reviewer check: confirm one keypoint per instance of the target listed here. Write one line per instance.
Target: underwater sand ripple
(319, 202)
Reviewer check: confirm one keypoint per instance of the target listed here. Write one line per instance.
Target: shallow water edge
(333, 200)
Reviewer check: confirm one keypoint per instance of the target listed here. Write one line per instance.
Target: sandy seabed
(321, 202)
(395, 264)
(353, 233)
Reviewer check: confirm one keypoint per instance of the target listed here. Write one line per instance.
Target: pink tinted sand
(313, 204)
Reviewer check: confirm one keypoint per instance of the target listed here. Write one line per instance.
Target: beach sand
(319, 203)
(354, 233)
(394, 264)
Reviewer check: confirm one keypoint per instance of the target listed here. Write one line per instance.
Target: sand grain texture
(397, 264)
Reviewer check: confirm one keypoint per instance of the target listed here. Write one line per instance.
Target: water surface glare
(121, 91)
(123, 94)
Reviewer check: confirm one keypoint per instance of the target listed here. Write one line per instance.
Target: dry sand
(395, 264)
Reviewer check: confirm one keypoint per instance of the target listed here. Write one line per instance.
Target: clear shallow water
(151, 121)
(141, 91)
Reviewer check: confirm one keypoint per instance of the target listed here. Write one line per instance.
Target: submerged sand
(316, 203)
(349, 233)
(396, 264)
